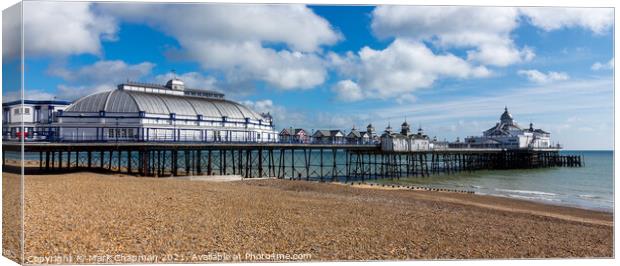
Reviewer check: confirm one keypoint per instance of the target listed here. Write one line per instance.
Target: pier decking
(325, 162)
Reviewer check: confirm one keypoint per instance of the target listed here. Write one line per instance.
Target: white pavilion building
(171, 112)
(405, 141)
(508, 134)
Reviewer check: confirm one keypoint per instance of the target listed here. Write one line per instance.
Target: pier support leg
(198, 162)
(47, 160)
(129, 161)
(260, 163)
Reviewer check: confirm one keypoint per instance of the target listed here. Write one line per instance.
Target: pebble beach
(90, 218)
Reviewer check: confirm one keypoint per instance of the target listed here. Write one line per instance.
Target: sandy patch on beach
(85, 214)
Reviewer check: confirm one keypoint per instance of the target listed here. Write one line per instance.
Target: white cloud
(597, 20)
(100, 76)
(192, 80)
(11, 32)
(348, 91)
(263, 106)
(239, 40)
(485, 31)
(401, 68)
(540, 77)
(104, 71)
(73, 92)
(33, 94)
(64, 28)
(603, 66)
(406, 98)
(282, 117)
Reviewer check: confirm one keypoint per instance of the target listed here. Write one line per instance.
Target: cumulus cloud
(239, 40)
(100, 76)
(536, 76)
(484, 34)
(603, 66)
(597, 20)
(401, 68)
(65, 28)
(484, 31)
(348, 91)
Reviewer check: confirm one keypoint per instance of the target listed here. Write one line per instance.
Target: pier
(323, 162)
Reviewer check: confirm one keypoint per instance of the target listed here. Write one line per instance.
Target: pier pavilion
(171, 112)
(508, 134)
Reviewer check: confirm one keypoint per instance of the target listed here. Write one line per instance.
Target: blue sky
(450, 70)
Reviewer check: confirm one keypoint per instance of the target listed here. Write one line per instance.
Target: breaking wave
(530, 192)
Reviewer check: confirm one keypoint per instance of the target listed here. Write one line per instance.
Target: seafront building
(171, 112)
(405, 140)
(508, 134)
(361, 137)
(297, 135)
(36, 117)
(334, 136)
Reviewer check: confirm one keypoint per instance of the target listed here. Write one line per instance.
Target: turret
(388, 129)
(405, 129)
(370, 129)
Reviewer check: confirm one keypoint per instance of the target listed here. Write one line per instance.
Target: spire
(388, 129)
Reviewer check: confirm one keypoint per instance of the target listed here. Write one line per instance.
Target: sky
(450, 70)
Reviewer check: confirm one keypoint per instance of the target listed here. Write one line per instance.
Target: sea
(590, 186)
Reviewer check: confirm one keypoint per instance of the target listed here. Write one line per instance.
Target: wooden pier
(325, 162)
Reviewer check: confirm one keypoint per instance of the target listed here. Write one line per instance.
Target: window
(26, 110)
(16, 111)
(111, 133)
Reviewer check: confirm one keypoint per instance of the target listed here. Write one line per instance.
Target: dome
(126, 101)
(506, 117)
